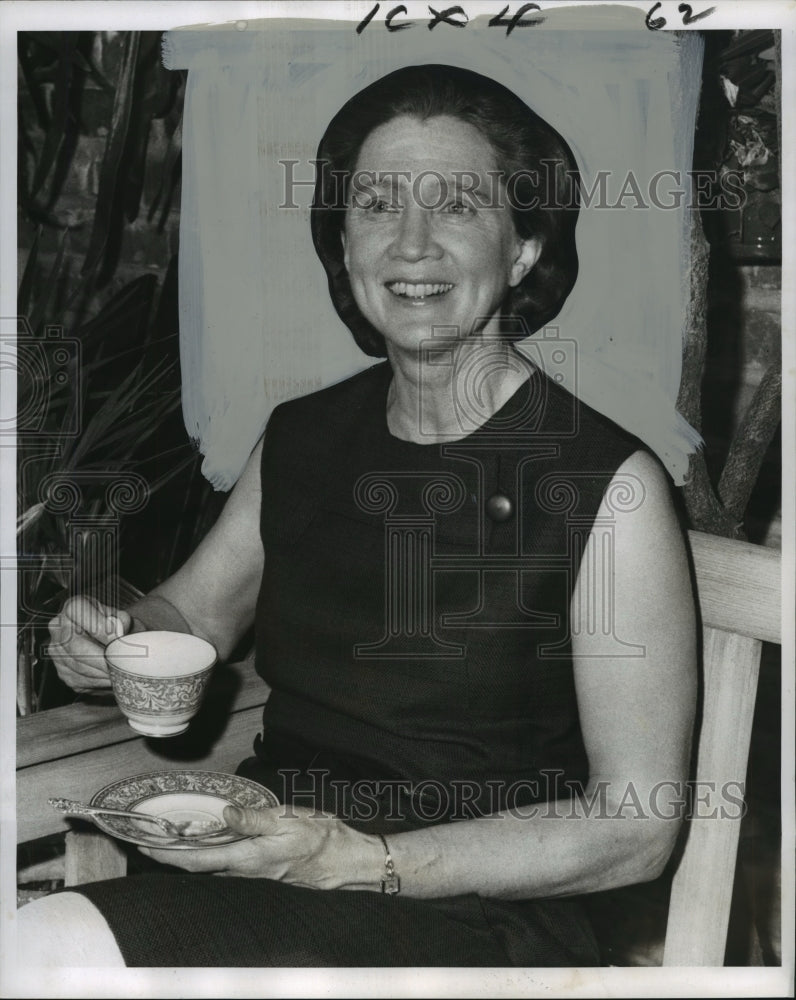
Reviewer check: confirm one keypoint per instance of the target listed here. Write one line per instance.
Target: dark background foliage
(99, 175)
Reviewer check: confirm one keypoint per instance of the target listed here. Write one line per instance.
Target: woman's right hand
(79, 635)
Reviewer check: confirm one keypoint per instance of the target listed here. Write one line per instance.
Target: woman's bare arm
(215, 591)
(212, 595)
(636, 716)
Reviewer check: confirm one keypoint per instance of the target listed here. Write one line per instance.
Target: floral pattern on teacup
(154, 695)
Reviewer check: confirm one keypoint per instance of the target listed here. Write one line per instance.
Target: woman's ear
(526, 256)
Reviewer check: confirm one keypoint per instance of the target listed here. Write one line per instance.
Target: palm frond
(40, 309)
(117, 139)
(26, 281)
(29, 517)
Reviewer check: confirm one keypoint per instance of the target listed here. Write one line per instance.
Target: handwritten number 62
(656, 23)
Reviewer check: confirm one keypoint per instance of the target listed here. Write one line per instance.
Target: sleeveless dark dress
(413, 626)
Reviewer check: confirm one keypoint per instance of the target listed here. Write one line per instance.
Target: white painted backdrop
(256, 322)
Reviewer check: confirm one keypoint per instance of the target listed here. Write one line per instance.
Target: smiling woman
(461, 146)
(430, 266)
(420, 254)
(470, 594)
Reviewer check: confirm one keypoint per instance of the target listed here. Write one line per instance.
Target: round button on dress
(499, 507)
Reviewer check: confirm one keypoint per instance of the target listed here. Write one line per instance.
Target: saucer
(195, 797)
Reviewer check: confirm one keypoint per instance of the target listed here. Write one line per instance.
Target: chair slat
(739, 586)
(91, 856)
(699, 908)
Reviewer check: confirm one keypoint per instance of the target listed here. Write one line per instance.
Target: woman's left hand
(290, 844)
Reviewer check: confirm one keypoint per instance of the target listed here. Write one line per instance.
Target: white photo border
(18, 15)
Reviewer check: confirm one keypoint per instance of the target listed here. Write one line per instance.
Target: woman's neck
(448, 394)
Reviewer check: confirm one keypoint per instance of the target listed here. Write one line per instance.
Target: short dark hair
(530, 153)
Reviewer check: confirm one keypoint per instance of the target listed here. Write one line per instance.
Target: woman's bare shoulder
(641, 486)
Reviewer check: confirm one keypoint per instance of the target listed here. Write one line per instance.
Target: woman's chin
(421, 337)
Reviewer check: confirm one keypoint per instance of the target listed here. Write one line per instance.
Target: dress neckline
(517, 402)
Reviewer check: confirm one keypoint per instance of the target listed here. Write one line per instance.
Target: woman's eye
(457, 208)
(373, 204)
(381, 205)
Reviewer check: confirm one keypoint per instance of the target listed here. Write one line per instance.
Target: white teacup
(159, 679)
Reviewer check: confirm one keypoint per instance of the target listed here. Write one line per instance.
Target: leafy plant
(94, 185)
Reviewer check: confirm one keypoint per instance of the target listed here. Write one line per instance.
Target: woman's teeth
(418, 291)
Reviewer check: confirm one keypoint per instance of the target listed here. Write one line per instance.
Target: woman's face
(428, 242)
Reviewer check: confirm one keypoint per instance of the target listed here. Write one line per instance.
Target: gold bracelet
(390, 882)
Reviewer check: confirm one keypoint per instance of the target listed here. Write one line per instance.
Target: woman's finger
(207, 862)
(270, 820)
(80, 680)
(81, 663)
(79, 636)
(253, 822)
(81, 650)
(85, 616)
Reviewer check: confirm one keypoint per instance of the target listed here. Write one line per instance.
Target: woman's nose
(415, 238)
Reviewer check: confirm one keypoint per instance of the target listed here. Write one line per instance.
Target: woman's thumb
(88, 616)
(119, 623)
(251, 821)
(111, 624)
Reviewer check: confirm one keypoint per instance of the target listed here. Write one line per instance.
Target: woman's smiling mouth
(417, 291)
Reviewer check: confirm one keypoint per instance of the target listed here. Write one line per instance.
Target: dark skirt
(182, 920)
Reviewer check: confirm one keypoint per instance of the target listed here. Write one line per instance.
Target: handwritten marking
(450, 14)
(366, 20)
(656, 23)
(400, 9)
(688, 13)
(499, 20)
(446, 16)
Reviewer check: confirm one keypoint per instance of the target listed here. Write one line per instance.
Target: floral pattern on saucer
(128, 793)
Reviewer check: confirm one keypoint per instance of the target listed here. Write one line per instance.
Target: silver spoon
(74, 808)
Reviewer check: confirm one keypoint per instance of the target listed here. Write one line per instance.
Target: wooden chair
(74, 751)
(739, 592)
